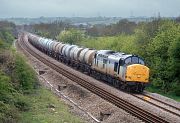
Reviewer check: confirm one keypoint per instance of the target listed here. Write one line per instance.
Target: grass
(170, 95)
(41, 111)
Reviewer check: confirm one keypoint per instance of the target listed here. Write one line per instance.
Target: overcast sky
(88, 8)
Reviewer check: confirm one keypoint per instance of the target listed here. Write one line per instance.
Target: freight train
(124, 71)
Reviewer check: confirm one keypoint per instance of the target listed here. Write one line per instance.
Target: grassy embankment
(22, 99)
(45, 107)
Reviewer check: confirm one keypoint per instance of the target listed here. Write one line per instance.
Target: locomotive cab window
(141, 61)
(115, 66)
(135, 60)
(103, 66)
(104, 61)
(128, 61)
(121, 62)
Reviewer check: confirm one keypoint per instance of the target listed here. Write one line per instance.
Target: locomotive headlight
(128, 77)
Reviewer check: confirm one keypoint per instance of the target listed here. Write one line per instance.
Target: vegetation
(49, 30)
(70, 36)
(16, 79)
(123, 26)
(21, 98)
(47, 108)
(164, 58)
(6, 31)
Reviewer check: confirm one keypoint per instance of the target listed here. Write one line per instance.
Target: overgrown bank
(22, 99)
(17, 79)
(12, 68)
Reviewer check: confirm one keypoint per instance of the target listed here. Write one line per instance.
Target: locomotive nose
(137, 73)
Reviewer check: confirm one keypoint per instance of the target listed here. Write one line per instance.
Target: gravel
(164, 99)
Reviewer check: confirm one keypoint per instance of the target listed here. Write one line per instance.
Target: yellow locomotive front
(134, 73)
(137, 73)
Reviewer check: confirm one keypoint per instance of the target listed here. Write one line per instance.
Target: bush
(6, 88)
(1, 43)
(6, 38)
(71, 36)
(8, 113)
(22, 104)
(24, 75)
(162, 53)
(176, 88)
(15, 77)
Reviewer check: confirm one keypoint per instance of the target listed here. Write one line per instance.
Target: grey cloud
(122, 8)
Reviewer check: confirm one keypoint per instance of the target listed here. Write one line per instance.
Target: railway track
(136, 111)
(162, 105)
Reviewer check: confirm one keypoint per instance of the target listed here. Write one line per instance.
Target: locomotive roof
(105, 52)
(120, 54)
(129, 55)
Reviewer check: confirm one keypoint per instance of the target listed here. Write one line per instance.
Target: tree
(71, 36)
(1, 43)
(50, 30)
(175, 65)
(163, 54)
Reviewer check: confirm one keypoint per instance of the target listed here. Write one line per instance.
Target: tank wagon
(124, 71)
